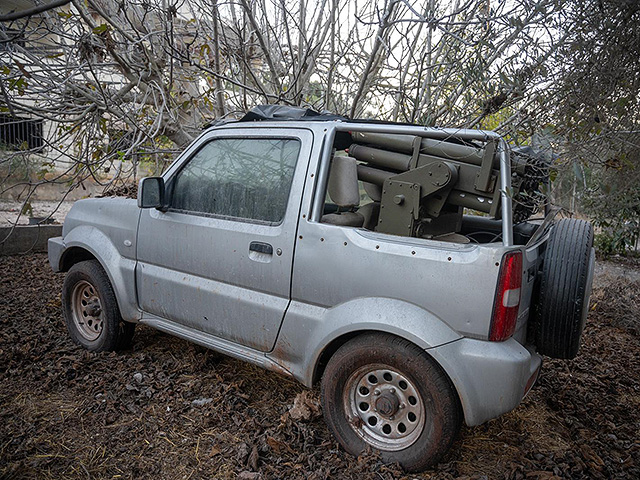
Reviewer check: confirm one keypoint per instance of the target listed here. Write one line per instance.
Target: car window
(238, 177)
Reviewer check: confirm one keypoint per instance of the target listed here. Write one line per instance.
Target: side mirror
(151, 192)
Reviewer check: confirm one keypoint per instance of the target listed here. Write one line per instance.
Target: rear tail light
(507, 302)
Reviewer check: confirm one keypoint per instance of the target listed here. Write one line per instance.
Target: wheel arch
(89, 243)
(74, 255)
(331, 348)
(311, 334)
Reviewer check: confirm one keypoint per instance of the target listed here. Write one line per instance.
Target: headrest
(343, 182)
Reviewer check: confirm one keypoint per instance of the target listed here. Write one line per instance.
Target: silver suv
(380, 260)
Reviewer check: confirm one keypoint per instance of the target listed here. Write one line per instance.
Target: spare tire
(564, 289)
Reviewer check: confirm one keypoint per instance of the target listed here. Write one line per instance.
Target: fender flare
(120, 270)
(308, 330)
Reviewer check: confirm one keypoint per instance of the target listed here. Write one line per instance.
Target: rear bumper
(491, 378)
(55, 247)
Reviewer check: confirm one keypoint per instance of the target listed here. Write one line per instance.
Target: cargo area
(446, 189)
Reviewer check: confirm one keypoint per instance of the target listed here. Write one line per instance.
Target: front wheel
(91, 311)
(382, 392)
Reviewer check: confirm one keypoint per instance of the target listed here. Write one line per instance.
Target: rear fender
(308, 330)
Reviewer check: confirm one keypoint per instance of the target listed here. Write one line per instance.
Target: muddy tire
(564, 289)
(384, 393)
(91, 311)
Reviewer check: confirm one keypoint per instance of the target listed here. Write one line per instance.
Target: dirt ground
(170, 409)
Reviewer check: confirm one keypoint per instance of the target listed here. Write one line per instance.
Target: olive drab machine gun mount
(427, 183)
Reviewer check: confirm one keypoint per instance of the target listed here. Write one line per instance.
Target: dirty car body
(285, 291)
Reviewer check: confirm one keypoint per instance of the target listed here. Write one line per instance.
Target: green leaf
(27, 209)
(101, 28)
(19, 84)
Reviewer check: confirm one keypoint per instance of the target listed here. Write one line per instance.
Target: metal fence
(18, 133)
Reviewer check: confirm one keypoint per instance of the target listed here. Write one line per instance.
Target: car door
(219, 259)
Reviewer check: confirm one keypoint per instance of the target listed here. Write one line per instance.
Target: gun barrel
(461, 153)
(373, 175)
(470, 200)
(395, 142)
(439, 148)
(380, 158)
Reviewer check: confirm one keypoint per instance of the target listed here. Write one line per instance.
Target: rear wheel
(565, 287)
(382, 392)
(91, 311)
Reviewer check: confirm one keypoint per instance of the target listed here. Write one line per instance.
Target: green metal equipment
(426, 183)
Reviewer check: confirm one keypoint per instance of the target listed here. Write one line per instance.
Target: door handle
(261, 247)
